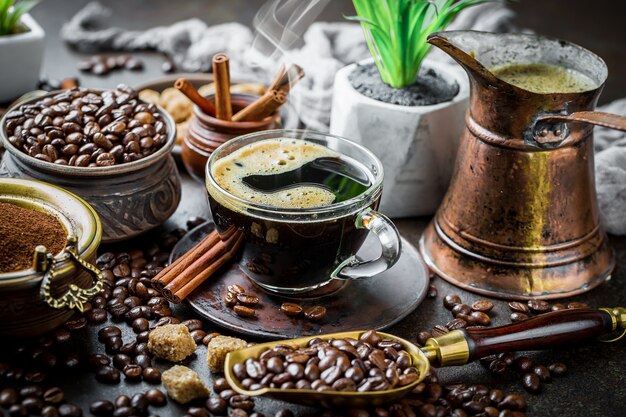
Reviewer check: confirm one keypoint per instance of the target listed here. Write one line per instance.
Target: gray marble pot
(130, 198)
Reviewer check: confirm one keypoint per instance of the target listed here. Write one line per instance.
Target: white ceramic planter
(20, 60)
(416, 144)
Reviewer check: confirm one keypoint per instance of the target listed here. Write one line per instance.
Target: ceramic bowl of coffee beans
(39, 293)
(107, 146)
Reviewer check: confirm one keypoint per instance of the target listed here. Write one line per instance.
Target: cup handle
(385, 230)
(75, 297)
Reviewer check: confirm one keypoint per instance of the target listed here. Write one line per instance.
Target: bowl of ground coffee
(48, 239)
(107, 146)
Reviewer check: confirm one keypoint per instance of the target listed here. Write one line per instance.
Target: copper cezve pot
(520, 219)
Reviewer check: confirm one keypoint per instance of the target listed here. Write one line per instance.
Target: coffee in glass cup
(305, 202)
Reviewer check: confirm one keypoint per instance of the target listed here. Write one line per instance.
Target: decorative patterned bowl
(130, 198)
(36, 300)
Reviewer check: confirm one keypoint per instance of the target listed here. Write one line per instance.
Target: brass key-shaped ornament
(75, 297)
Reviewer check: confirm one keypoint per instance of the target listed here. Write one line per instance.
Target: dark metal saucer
(371, 303)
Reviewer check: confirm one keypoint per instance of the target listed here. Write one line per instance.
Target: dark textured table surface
(594, 385)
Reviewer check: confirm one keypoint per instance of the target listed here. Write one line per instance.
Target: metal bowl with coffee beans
(108, 146)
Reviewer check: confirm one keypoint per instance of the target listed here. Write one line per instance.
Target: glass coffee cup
(305, 202)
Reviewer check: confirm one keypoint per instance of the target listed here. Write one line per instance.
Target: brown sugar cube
(219, 347)
(171, 342)
(183, 384)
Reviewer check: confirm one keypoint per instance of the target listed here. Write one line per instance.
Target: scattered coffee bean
(516, 316)
(216, 405)
(102, 408)
(152, 375)
(108, 375)
(291, 309)
(531, 382)
(451, 300)
(244, 311)
(539, 306)
(315, 313)
(518, 307)
(482, 305)
(557, 368)
(54, 395)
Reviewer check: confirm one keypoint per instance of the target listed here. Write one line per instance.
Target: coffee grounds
(21, 231)
(429, 88)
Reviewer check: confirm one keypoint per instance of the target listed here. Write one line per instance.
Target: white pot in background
(20, 60)
(416, 144)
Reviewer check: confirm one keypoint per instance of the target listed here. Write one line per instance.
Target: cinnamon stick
(199, 264)
(185, 87)
(221, 76)
(179, 265)
(286, 79)
(195, 282)
(264, 106)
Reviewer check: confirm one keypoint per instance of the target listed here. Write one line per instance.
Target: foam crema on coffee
(273, 157)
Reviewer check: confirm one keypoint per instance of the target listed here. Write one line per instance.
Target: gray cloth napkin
(327, 47)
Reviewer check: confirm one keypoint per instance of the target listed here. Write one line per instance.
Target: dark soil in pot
(429, 88)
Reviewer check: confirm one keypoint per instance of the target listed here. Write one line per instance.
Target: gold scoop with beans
(377, 352)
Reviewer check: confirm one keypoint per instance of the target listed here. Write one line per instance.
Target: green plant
(11, 11)
(396, 32)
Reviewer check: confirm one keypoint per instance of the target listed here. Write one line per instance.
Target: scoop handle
(558, 328)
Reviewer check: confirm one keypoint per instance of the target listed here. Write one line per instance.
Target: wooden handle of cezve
(545, 331)
(612, 121)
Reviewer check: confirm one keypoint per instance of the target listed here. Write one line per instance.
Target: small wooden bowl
(206, 133)
(24, 312)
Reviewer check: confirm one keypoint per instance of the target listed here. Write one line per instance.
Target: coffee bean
(531, 382)
(432, 291)
(54, 395)
(461, 309)
(113, 344)
(243, 402)
(557, 368)
(456, 324)
(480, 318)
(315, 313)
(543, 373)
(439, 330)
(539, 306)
(193, 324)
(451, 300)
(70, 410)
(516, 316)
(76, 324)
(244, 311)
(422, 337)
(122, 401)
(156, 397)
(139, 403)
(32, 404)
(498, 367)
(513, 402)
(216, 405)
(518, 307)
(101, 408)
(482, 305)
(247, 299)
(140, 325)
(97, 315)
(221, 384)
(143, 360)
(133, 372)
(152, 375)
(108, 375)
(107, 332)
(18, 410)
(97, 360)
(197, 412)
(8, 397)
(523, 364)
(198, 336)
